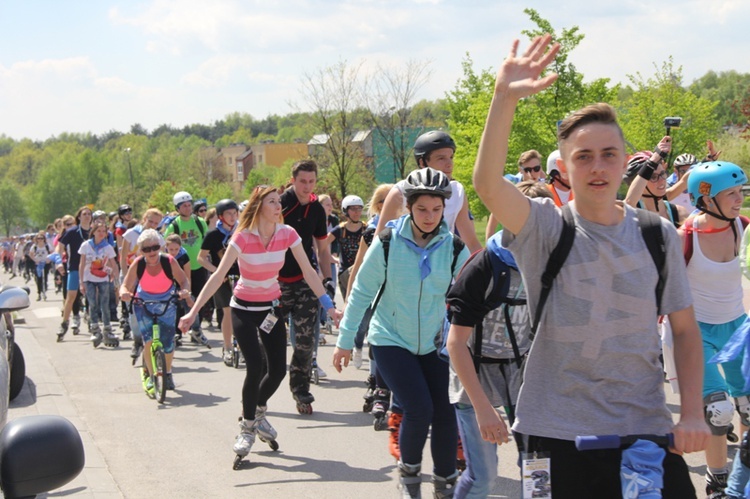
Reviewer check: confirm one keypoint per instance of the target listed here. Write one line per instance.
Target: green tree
(267, 175)
(70, 180)
(12, 210)
(642, 114)
(729, 89)
(535, 121)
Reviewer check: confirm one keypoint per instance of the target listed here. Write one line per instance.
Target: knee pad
(743, 408)
(719, 412)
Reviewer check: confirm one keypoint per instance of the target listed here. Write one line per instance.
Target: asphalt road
(183, 448)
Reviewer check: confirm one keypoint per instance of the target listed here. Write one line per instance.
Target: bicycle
(157, 356)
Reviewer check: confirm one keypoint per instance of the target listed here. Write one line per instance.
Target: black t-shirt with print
(348, 243)
(72, 241)
(309, 220)
(216, 243)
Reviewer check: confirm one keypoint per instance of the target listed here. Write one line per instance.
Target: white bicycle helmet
(180, 198)
(351, 200)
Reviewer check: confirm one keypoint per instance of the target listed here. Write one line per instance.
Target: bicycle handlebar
(597, 442)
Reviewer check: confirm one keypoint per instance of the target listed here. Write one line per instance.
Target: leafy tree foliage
(12, 210)
(535, 122)
(730, 89)
(642, 114)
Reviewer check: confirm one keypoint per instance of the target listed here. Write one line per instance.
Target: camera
(672, 122)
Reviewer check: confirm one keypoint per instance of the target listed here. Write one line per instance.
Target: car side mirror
(12, 299)
(39, 454)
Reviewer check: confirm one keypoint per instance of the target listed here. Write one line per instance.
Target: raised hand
(519, 77)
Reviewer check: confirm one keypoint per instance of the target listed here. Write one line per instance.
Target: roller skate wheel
(304, 408)
(237, 462)
(732, 437)
(273, 444)
(75, 331)
(380, 424)
(315, 376)
(367, 407)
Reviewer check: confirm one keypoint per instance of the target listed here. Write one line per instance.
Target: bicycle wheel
(160, 375)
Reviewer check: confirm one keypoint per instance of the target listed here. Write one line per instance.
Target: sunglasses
(655, 178)
(202, 210)
(129, 212)
(150, 249)
(534, 169)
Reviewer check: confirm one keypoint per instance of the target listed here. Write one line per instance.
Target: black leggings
(257, 391)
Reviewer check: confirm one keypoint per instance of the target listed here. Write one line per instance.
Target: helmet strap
(558, 178)
(656, 198)
(724, 218)
(425, 235)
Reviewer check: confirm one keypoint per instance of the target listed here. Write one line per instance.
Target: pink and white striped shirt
(259, 266)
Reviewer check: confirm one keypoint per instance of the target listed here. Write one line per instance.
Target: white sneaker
(321, 373)
(357, 358)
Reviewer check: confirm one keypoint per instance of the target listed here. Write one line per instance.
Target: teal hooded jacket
(412, 308)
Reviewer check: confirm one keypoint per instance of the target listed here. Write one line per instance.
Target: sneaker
(357, 358)
(198, 337)
(321, 373)
(228, 356)
(149, 387)
(169, 381)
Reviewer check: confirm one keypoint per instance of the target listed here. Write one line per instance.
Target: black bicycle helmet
(427, 181)
(198, 205)
(431, 141)
(124, 208)
(224, 205)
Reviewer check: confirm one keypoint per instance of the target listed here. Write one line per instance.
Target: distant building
(378, 156)
(270, 153)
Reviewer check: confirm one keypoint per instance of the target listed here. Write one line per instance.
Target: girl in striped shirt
(259, 246)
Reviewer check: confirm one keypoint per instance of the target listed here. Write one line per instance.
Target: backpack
(650, 226)
(165, 265)
(176, 227)
(688, 227)
(497, 295)
(385, 236)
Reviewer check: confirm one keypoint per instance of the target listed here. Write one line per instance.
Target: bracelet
(648, 169)
(326, 302)
(661, 153)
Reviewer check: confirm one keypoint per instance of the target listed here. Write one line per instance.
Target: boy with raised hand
(593, 368)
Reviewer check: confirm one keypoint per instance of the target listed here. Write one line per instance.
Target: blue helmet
(709, 179)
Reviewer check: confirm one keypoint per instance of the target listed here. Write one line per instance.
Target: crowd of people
(546, 327)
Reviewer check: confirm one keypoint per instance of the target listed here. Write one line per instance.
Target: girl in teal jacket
(406, 323)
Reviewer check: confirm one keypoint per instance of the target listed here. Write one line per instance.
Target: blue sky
(93, 66)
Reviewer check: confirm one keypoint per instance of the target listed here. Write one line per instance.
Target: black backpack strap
(554, 264)
(140, 269)
(650, 225)
(385, 239)
(458, 247)
(167, 267)
(200, 225)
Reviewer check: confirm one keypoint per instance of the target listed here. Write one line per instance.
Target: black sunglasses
(534, 169)
(149, 249)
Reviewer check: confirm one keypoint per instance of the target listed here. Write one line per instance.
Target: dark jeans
(257, 391)
(421, 384)
(596, 473)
